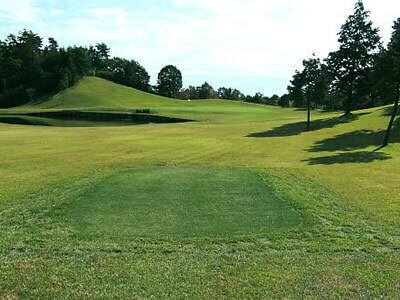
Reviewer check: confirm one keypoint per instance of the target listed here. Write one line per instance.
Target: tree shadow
(352, 141)
(348, 157)
(358, 139)
(300, 127)
(43, 98)
(388, 111)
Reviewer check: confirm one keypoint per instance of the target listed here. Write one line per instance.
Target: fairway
(220, 176)
(242, 203)
(165, 202)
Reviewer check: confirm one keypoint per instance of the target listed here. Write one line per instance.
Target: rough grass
(349, 193)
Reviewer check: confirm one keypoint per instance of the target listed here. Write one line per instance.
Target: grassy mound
(167, 202)
(96, 94)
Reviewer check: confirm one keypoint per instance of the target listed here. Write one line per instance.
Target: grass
(342, 240)
(163, 202)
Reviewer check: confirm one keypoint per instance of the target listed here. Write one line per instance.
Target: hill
(96, 94)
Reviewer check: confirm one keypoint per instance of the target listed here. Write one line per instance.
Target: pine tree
(391, 61)
(352, 63)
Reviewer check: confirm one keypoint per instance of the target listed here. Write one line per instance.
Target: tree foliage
(351, 65)
(30, 67)
(126, 72)
(388, 67)
(169, 81)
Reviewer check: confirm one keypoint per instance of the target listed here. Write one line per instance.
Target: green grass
(341, 241)
(165, 202)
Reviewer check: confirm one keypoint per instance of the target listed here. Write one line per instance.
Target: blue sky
(252, 45)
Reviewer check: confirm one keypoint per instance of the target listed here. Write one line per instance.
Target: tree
(206, 91)
(169, 81)
(237, 95)
(284, 101)
(224, 93)
(100, 55)
(136, 76)
(230, 94)
(314, 85)
(310, 86)
(273, 100)
(295, 89)
(389, 65)
(351, 64)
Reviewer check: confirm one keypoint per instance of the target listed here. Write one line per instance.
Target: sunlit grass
(345, 245)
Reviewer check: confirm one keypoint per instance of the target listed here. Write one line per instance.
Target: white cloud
(56, 12)
(116, 13)
(22, 11)
(270, 38)
(265, 38)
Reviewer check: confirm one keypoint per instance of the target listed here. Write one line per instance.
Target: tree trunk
(349, 103)
(394, 114)
(308, 114)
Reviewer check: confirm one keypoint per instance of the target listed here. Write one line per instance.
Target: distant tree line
(206, 91)
(31, 67)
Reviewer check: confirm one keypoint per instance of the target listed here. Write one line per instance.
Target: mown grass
(165, 202)
(346, 245)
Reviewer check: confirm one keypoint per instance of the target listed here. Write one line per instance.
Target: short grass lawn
(180, 202)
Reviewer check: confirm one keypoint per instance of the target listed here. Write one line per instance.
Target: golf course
(147, 197)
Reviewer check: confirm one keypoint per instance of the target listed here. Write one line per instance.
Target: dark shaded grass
(352, 141)
(300, 127)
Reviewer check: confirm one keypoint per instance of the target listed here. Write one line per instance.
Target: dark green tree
(351, 64)
(389, 67)
(295, 90)
(169, 81)
(224, 93)
(314, 84)
(284, 100)
(206, 91)
(100, 55)
(126, 72)
(136, 76)
(230, 94)
(273, 100)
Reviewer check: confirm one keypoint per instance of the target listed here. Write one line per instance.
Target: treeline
(206, 91)
(31, 67)
(28, 68)
(362, 73)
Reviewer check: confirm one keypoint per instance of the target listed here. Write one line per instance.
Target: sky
(251, 45)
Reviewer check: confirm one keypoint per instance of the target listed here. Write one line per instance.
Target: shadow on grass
(300, 127)
(358, 139)
(388, 111)
(42, 99)
(350, 157)
(352, 141)
(349, 141)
